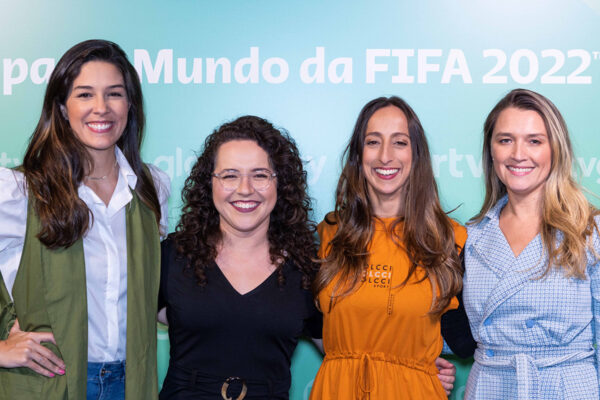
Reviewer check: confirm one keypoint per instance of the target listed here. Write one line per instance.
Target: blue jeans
(106, 381)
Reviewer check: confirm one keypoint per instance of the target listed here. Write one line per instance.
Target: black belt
(180, 378)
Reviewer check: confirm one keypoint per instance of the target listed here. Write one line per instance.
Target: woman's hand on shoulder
(23, 349)
(447, 374)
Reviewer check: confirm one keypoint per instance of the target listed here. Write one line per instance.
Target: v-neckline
(255, 289)
(510, 248)
(529, 244)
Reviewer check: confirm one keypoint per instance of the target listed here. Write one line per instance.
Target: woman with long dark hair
(79, 240)
(236, 274)
(390, 264)
(532, 266)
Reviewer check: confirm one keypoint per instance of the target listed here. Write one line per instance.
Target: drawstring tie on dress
(367, 378)
(367, 374)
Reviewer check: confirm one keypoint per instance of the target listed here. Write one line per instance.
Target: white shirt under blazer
(104, 247)
(536, 336)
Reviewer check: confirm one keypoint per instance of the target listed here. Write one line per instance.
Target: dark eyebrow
(84, 87)
(230, 170)
(376, 133)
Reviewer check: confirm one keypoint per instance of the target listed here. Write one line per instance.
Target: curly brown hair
(291, 232)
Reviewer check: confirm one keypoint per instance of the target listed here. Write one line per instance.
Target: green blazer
(49, 295)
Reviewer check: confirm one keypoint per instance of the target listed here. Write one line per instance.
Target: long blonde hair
(565, 209)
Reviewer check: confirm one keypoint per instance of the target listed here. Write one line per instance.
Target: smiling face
(245, 210)
(386, 158)
(97, 106)
(521, 152)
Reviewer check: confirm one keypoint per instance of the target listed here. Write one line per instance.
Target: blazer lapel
(511, 272)
(492, 248)
(527, 266)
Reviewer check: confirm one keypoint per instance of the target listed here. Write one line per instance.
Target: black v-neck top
(219, 332)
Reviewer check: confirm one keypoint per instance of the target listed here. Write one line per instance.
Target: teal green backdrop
(309, 66)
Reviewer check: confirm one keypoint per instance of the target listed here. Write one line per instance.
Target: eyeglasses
(260, 180)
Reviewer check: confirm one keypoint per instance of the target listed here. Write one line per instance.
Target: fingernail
(61, 371)
(51, 375)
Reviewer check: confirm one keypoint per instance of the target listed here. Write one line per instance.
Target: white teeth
(517, 169)
(245, 205)
(100, 126)
(386, 171)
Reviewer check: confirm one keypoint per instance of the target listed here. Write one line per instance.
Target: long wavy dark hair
(290, 233)
(55, 161)
(427, 234)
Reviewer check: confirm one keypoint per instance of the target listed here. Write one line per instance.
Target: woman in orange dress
(390, 267)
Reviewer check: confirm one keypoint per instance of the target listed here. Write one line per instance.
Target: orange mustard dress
(379, 341)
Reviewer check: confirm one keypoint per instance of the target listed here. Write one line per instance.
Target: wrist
(2, 353)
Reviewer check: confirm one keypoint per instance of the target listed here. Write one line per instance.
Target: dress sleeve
(13, 219)
(162, 182)
(313, 325)
(326, 230)
(13, 208)
(7, 311)
(456, 330)
(165, 257)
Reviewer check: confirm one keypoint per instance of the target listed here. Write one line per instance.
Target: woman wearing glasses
(236, 273)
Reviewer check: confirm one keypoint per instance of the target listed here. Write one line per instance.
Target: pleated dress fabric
(380, 342)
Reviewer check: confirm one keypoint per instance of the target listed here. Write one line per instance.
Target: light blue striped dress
(536, 337)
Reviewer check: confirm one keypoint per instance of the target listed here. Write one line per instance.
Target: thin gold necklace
(101, 178)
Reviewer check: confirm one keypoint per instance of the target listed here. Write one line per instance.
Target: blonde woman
(532, 279)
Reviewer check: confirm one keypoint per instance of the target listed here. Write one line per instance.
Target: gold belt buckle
(226, 386)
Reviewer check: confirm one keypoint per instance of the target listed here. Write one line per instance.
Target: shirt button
(489, 353)
(529, 323)
(487, 322)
